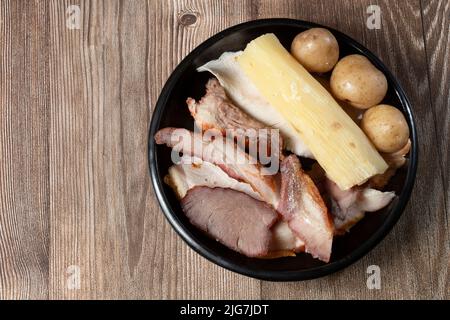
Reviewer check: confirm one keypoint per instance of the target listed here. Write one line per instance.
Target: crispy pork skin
(349, 206)
(302, 206)
(284, 242)
(233, 218)
(224, 154)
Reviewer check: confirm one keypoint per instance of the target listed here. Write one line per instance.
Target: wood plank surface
(436, 31)
(75, 194)
(105, 80)
(24, 161)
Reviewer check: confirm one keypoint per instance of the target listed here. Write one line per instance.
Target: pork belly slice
(233, 218)
(348, 207)
(226, 155)
(216, 111)
(303, 208)
(185, 176)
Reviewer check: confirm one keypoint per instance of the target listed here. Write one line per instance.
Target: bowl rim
(288, 275)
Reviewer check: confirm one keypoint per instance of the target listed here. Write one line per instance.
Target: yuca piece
(245, 95)
(338, 144)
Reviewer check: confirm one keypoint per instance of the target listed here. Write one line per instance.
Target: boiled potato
(316, 49)
(354, 113)
(386, 127)
(356, 80)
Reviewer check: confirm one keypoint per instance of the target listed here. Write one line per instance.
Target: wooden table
(75, 194)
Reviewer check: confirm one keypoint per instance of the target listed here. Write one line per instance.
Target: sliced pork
(216, 111)
(186, 175)
(302, 206)
(349, 206)
(244, 228)
(220, 151)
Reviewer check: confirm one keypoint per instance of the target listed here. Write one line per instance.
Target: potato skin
(386, 127)
(356, 80)
(354, 113)
(316, 49)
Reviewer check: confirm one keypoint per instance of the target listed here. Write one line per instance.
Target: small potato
(386, 127)
(316, 49)
(356, 80)
(352, 112)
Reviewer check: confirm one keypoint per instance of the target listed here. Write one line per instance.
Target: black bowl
(171, 111)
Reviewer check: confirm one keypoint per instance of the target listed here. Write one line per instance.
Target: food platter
(171, 111)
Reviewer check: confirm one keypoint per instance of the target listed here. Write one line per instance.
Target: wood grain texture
(24, 187)
(75, 109)
(436, 31)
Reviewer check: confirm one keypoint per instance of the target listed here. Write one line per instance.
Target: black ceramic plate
(171, 110)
